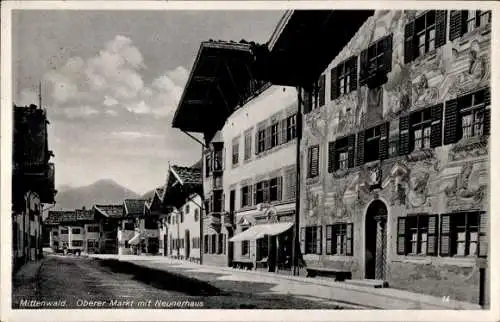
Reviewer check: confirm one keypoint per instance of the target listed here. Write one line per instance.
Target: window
(372, 144)
(245, 245)
(290, 181)
(261, 189)
(196, 214)
(341, 153)
(187, 209)
(93, 229)
(477, 18)
(339, 239)
(464, 21)
(208, 165)
(77, 243)
(274, 135)
(248, 145)
(313, 157)
(291, 127)
(76, 231)
(245, 196)
(344, 77)
(275, 189)
(262, 248)
(205, 244)
(127, 245)
(321, 90)
(421, 129)
(54, 233)
(181, 215)
(220, 243)
(218, 201)
(129, 226)
(464, 234)
(376, 60)
(424, 34)
(417, 235)
(313, 240)
(236, 147)
(213, 244)
(472, 114)
(64, 231)
(92, 243)
(261, 141)
(55, 244)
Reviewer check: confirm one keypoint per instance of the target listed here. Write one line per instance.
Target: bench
(340, 274)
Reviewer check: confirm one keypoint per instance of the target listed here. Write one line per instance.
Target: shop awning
(261, 231)
(135, 240)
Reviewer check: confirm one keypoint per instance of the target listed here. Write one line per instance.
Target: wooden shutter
(445, 240)
(451, 122)
(321, 91)
(404, 135)
(257, 141)
(319, 240)
(250, 195)
(483, 235)
(265, 187)
(313, 161)
(401, 242)
(409, 42)
(351, 143)
(268, 138)
(329, 239)
(222, 202)
(458, 23)
(387, 47)
(349, 240)
(334, 92)
(440, 27)
(354, 73)
(432, 233)
(331, 157)
(303, 240)
(437, 126)
(283, 138)
(383, 150)
(255, 194)
(306, 101)
(363, 67)
(280, 188)
(360, 155)
(487, 112)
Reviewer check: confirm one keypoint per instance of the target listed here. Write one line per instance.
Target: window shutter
(451, 122)
(457, 23)
(349, 240)
(404, 135)
(319, 239)
(445, 242)
(222, 201)
(383, 151)
(303, 240)
(334, 93)
(483, 235)
(268, 138)
(432, 233)
(487, 112)
(354, 73)
(321, 90)
(409, 42)
(313, 161)
(360, 155)
(280, 188)
(351, 143)
(387, 45)
(250, 195)
(306, 100)
(283, 139)
(331, 157)
(257, 141)
(401, 242)
(255, 194)
(329, 237)
(363, 67)
(440, 27)
(437, 126)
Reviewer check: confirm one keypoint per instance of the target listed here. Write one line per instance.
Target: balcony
(213, 220)
(228, 219)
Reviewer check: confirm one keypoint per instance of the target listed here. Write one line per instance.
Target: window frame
(245, 245)
(291, 127)
(424, 122)
(372, 156)
(275, 129)
(261, 137)
(473, 109)
(247, 146)
(428, 28)
(235, 153)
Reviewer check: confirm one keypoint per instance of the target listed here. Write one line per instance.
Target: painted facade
(396, 155)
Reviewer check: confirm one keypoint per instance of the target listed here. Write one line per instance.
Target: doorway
(375, 240)
(188, 244)
(165, 245)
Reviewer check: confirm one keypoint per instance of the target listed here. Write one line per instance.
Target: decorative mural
(466, 188)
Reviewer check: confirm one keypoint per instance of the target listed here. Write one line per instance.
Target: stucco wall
(430, 182)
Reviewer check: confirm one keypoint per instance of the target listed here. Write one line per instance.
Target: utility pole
(296, 227)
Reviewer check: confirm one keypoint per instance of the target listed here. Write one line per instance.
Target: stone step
(368, 283)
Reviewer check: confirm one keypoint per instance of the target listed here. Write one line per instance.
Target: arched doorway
(375, 240)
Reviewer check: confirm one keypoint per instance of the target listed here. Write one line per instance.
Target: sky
(111, 81)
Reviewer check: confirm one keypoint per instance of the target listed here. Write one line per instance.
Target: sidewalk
(383, 298)
(25, 280)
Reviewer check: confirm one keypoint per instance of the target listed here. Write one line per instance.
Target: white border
(228, 315)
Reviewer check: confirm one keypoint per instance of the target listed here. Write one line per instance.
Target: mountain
(100, 192)
(148, 195)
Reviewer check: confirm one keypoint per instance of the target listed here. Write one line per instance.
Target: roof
(187, 175)
(305, 42)
(69, 216)
(111, 211)
(134, 207)
(221, 79)
(159, 191)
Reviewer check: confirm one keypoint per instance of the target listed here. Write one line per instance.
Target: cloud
(113, 78)
(135, 135)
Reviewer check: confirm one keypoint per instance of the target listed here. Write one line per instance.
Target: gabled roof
(134, 207)
(69, 216)
(182, 182)
(187, 175)
(110, 211)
